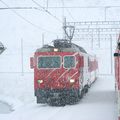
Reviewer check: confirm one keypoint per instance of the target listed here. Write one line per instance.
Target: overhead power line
(38, 27)
(70, 14)
(75, 7)
(67, 10)
(19, 8)
(47, 11)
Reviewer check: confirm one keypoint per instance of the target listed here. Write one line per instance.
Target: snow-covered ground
(4, 108)
(17, 86)
(98, 104)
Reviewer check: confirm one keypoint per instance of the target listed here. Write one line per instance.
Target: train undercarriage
(58, 97)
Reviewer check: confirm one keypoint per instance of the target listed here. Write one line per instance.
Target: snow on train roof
(63, 45)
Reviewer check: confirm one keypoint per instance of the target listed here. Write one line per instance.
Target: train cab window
(69, 61)
(49, 62)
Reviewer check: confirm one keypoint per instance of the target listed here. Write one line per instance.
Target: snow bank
(13, 102)
(17, 86)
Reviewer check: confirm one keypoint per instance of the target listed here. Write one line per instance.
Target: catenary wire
(26, 19)
(67, 10)
(47, 11)
(19, 8)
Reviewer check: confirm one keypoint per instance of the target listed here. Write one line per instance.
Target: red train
(63, 72)
(117, 74)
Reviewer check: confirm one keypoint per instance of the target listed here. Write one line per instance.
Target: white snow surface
(98, 104)
(14, 103)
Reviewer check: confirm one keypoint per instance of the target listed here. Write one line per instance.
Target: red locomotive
(117, 74)
(63, 72)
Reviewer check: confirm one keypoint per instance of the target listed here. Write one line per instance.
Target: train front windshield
(49, 62)
(55, 62)
(69, 61)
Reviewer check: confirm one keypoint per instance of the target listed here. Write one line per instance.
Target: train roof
(63, 45)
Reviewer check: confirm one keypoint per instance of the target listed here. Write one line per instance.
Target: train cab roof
(62, 45)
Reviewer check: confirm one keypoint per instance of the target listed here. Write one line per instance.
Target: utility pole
(111, 54)
(98, 37)
(105, 11)
(43, 37)
(22, 67)
(92, 41)
(47, 4)
(64, 27)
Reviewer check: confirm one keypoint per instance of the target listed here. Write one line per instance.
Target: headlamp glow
(72, 80)
(40, 81)
(55, 50)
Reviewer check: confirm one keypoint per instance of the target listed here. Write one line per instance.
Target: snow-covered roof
(63, 45)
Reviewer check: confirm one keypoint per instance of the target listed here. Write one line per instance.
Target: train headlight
(40, 81)
(72, 80)
(55, 50)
